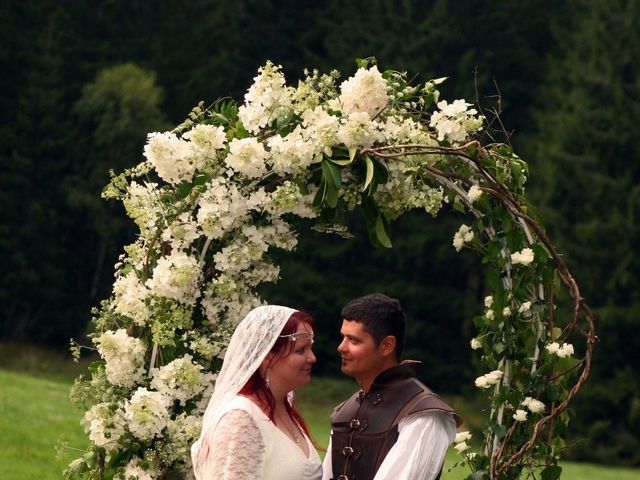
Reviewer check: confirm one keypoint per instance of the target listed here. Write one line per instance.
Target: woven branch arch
(216, 194)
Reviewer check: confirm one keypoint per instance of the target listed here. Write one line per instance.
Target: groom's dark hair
(381, 316)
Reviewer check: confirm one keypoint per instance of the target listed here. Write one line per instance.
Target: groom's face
(361, 357)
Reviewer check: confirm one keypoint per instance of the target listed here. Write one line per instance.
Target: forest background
(83, 82)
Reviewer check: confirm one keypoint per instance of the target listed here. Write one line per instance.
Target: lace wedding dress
(251, 447)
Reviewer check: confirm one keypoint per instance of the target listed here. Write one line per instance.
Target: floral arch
(213, 196)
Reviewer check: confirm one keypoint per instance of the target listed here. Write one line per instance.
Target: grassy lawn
(35, 412)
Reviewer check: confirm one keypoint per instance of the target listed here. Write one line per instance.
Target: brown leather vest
(365, 427)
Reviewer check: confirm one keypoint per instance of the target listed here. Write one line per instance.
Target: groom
(394, 428)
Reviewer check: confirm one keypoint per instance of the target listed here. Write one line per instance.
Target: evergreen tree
(587, 150)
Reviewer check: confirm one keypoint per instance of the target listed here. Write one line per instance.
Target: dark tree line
(83, 82)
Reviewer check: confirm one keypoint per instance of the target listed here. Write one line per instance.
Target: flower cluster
(523, 257)
(124, 357)
(455, 121)
(491, 378)
(463, 236)
(181, 379)
(562, 351)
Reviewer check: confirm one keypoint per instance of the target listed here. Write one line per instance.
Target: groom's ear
(388, 345)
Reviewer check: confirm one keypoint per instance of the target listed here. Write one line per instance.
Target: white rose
(523, 257)
(493, 377)
(462, 437)
(490, 314)
(488, 301)
(535, 406)
(520, 416)
(525, 307)
(475, 344)
(461, 447)
(553, 348)
(566, 350)
(481, 382)
(474, 194)
(506, 311)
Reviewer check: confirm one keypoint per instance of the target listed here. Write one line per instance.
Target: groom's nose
(342, 346)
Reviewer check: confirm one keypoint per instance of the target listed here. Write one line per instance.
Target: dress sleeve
(419, 453)
(236, 449)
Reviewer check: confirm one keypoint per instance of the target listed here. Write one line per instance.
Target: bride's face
(294, 370)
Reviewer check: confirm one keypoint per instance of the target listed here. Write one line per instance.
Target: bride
(251, 429)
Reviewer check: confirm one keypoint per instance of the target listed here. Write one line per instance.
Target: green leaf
(332, 195)
(341, 162)
(551, 473)
(382, 231)
(352, 154)
(332, 174)
(370, 170)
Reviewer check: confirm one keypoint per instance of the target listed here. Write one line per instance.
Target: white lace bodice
(246, 445)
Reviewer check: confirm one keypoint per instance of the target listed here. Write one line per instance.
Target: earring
(266, 380)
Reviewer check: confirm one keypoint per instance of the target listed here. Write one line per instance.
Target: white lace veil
(252, 340)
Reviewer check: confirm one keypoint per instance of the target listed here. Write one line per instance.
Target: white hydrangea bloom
(147, 413)
(291, 154)
(221, 208)
(181, 433)
(206, 140)
(176, 276)
(267, 99)
(124, 357)
(474, 193)
(287, 198)
(180, 379)
(520, 415)
(143, 206)
(462, 236)
(181, 232)
(523, 257)
(130, 297)
(247, 156)
(359, 131)
(320, 129)
(104, 427)
(534, 406)
(455, 121)
(134, 471)
(365, 92)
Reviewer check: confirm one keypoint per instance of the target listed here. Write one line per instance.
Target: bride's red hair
(256, 386)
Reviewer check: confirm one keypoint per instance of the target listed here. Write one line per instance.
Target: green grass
(35, 412)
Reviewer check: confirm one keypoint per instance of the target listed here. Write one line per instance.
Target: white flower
(134, 471)
(520, 416)
(523, 257)
(104, 427)
(474, 193)
(553, 348)
(506, 312)
(481, 382)
(563, 351)
(358, 131)
(180, 379)
(488, 301)
(147, 413)
(462, 437)
(475, 344)
(170, 156)
(247, 156)
(461, 447)
(176, 276)
(566, 350)
(534, 406)
(490, 314)
(365, 92)
(206, 140)
(130, 297)
(525, 307)
(462, 236)
(454, 121)
(494, 376)
(268, 99)
(124, 357)
(291, 154)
